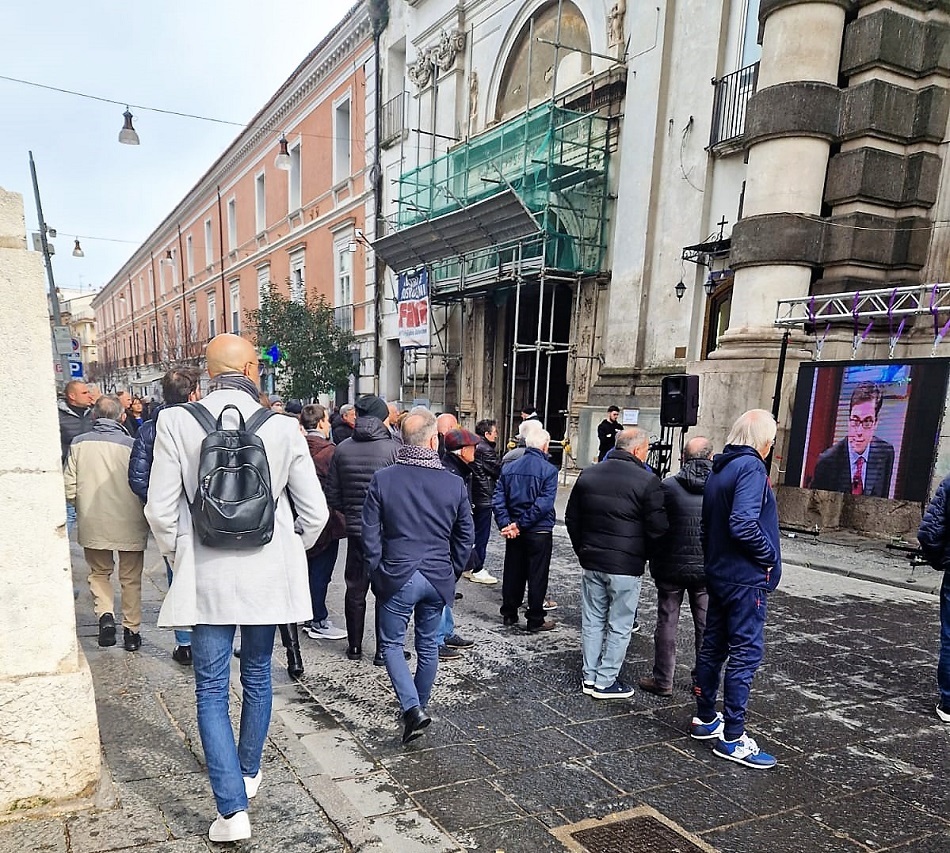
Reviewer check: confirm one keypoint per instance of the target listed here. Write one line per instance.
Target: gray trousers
(669, 599)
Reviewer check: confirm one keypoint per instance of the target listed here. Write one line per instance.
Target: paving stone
(693, 805)
(411, 832)
(432, 768)
(545, 788)
(938, 843)
(467, 805)
(536, 748)
(493, 719)
(37, 836)
(854, 768)
(134, 825)
(631, 729)
(884, 821)
(376, 794)
(790, 832)
(337, 755)
(514, 836)
(634, 770)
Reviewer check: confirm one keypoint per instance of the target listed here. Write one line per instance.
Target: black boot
(291, 642)
(416, 720)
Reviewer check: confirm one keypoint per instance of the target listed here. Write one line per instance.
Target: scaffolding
(541, 177)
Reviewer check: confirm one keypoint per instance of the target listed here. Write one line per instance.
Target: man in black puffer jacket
(356, 459)
(614, 517)
(677, 563)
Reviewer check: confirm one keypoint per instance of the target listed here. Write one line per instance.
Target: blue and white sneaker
(617, 690)
(744, 751)
(705, 731)
(942, 712)
(587, 688)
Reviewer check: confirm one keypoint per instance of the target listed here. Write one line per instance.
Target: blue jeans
(417, 598)
(182, 638)
(70, 518)
(943, 664)
(735, 627)
(482, 516)
(228, 763)
(446, 625)
(319, 571)
(608, 609)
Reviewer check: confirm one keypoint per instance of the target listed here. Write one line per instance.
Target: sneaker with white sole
(744, 751)
(325, 630)
(234, 828)
(943, 713)
(617, 690)
(587, 687)
(483, 576)
(252, 783)
(700, 730)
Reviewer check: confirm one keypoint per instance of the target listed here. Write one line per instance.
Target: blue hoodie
(740, 522)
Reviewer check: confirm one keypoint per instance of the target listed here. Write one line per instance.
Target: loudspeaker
(679, 400)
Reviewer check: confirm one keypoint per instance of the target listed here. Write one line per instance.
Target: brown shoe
(546, 625)
(648, 684)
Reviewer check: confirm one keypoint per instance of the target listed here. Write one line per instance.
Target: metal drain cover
(640, 830)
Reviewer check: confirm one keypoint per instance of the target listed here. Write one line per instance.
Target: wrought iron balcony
(393, 120)
(730, 102)
(343, 317)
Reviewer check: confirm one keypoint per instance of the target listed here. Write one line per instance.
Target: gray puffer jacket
(678, 559)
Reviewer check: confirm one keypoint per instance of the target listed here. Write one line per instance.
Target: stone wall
(49, 736)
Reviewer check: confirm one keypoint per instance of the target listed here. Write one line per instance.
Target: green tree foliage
(316, 352)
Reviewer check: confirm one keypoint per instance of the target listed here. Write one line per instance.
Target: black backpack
(233, 505)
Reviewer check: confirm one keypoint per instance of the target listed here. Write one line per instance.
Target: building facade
(248, 224)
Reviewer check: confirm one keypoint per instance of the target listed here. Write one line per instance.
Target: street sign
(76, 345)
(75, 369)
(63, 340)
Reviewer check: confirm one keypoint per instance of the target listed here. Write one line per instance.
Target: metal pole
(537, 347)
(777, 398)
(53, 295)
(547, 381)
(184, 315)
(224, 294)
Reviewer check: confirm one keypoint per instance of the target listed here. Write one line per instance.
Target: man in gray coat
(216, 589)
(677, 563)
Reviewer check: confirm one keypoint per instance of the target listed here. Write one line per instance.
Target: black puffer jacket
(355, 461)
(140, 462)
(485, 471)
(71, 424)
(615, 515)
(678, 560)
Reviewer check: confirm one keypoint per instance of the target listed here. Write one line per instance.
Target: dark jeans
(735, 624)
(319, 571)
(482, 516)
(669, 599)
(354, 599)
(527, 561)
(943, 664)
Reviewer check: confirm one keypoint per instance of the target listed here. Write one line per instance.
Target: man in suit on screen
(861, 463)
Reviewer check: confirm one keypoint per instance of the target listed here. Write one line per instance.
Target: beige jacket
(217, 586)
(108, 515)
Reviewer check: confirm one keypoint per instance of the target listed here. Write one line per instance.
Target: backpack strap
(255, 421)
(202, 415)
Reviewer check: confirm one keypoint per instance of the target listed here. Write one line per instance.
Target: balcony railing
(393, 120)
(730, 102)
(343, 317)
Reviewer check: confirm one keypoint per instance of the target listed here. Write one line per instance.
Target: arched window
(528, 77)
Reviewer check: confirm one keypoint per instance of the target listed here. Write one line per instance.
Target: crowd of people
(254, 544)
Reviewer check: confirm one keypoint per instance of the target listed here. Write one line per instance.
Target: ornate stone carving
(615, 29)
(441, 55)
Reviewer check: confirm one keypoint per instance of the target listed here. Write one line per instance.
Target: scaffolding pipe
(550, 352)
(537, 344)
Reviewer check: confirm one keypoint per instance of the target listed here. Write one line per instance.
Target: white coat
(217, 586)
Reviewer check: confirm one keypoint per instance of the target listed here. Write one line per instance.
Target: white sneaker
(942, 714)
(252, 783)
(234, 828)
(483, 576)
(467, 574)
(325, 630)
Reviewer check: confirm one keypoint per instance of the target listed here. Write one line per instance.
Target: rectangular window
(161, 277)
(151, 284)
(212, 315)
(260, 204)
(193, 320)
(751, 50)
(179, 334)
(209, 244)
(190, 254)
(232, 225)
(341, 142)
(344, 287)
(298, 285)
(236, 307)
(293, 178)
(263, 281)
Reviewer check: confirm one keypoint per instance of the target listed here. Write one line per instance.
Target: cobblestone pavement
(845, 699)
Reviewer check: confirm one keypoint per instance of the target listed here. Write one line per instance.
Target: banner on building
(412, 296)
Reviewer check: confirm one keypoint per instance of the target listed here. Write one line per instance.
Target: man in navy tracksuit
(743, 565)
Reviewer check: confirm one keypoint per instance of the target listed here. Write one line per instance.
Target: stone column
(49, 736)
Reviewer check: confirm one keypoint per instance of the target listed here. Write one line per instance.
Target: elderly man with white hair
(743, 565)
(524, 428)
(523, 505)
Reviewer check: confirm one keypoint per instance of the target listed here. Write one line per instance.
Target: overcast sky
(219, 58)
